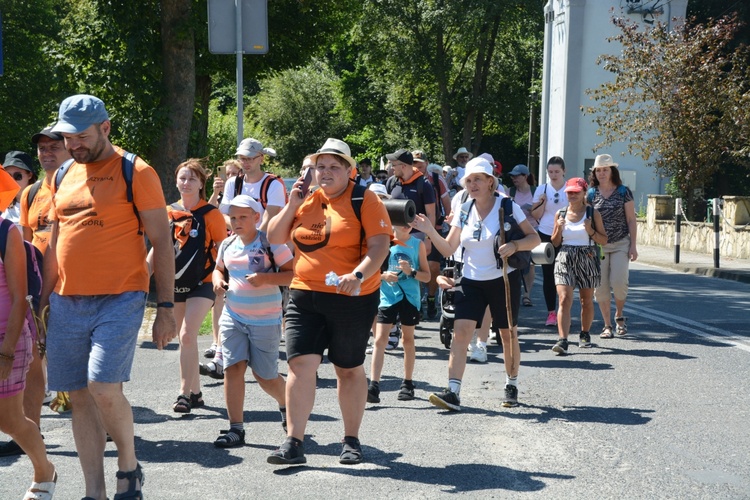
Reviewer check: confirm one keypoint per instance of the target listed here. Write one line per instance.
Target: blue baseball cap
(79, 112)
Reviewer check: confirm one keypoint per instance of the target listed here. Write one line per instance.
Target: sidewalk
(695, 263)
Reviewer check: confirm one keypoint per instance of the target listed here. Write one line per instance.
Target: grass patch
(207, 326)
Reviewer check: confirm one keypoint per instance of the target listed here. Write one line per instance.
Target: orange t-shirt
(326, 233)
(216, 230)
(36, 217)
(99, 251)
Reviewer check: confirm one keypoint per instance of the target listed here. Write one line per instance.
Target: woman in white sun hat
(615, 202)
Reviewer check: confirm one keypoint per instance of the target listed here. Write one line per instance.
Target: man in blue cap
(96, 265)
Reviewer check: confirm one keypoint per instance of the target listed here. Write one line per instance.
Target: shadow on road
(583, 414)
(454, 478)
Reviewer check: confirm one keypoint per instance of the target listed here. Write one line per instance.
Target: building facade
(575, 35)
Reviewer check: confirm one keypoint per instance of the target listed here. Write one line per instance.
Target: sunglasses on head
(478, 230)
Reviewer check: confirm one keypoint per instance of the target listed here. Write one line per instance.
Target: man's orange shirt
(99, 251)
(326, 234)
(36, 217)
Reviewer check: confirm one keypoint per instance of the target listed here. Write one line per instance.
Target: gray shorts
(92, 338)
(257, 345)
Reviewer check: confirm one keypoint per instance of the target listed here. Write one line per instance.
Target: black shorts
(205, 290)
(405, 310)
(316, 321)
(473, 297)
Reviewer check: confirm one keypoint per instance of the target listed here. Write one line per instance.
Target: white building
(575, 35)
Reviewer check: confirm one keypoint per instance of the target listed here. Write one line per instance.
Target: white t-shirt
(276, 193)
(479, 255)
(574, 233)
(552, 205)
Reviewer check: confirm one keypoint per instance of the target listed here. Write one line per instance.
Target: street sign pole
(238, 29)
(240, 83)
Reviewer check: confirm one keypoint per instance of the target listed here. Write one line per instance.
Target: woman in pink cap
(578, 230)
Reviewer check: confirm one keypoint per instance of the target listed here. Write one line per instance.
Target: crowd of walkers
(321, 265)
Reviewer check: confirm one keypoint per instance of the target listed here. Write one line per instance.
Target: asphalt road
(662, 413)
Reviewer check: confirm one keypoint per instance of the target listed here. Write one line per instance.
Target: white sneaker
(392, 343)
(48, 397)
(479, 354)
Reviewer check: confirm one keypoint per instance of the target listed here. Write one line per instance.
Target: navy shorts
(404, 309)
(473, 297)
(316, 321)
(204, 290)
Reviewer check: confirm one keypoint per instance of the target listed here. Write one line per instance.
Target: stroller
(447, 308)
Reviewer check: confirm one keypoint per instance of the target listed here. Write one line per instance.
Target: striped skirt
(578, 266)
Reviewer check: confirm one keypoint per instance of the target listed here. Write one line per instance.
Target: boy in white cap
(250, 326)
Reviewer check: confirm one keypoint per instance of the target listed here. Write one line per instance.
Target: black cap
(365, 161)
(20, 160)
(402, 155)
(47, 132)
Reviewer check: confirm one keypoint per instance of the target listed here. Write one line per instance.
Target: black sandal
(182, 405)
(230, 438)
(132, 477)
(291, 452)
(196, 400)
(351, 453)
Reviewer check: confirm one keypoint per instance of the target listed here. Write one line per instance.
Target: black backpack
(191, 252)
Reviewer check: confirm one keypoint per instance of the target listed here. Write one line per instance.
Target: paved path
(660, 414)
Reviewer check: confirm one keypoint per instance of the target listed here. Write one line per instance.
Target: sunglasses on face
(478, 230)
(17, 176)
(382, 178)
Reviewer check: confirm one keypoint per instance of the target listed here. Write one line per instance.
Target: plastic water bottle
(332, 279)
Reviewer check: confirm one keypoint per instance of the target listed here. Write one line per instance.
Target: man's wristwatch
(413, 273)
(359, 276)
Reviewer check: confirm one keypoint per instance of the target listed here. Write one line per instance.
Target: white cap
(379, 189)
(245, 201)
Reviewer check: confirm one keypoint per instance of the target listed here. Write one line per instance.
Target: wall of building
(576, 33)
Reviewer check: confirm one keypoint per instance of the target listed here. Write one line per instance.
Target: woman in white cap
(334, 294)
(482, 283)
(615, 202)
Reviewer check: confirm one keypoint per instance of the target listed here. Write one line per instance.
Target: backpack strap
(358, 197)
(223, 248)
(61, 172)
(33, 190)
(5, 227)
(239, 179)
(512, 192)
(266, 185)
(267, 247)
(590, 195)
(128, 167)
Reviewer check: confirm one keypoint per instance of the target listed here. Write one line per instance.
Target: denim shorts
(92, 338)
(258, 345)
(16, 381)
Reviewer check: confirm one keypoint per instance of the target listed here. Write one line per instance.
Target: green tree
(27, 99)
(297, 109)
(679, 99)
(447, 73)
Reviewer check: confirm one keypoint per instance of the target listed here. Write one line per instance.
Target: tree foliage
(440, 74)
(679, 99)
(27, 99)
(297, 109)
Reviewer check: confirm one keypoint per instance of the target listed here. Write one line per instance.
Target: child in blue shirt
(399, 298)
